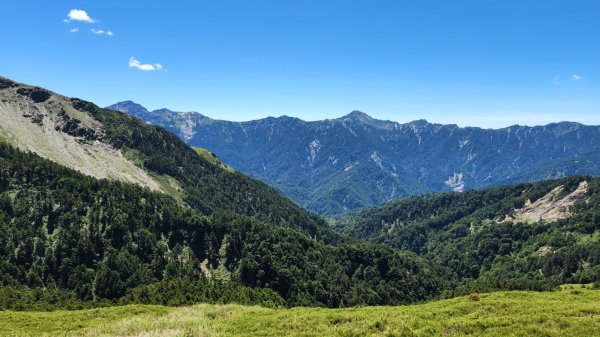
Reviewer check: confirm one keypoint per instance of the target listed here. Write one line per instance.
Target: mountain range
(97, 208)
(339, 165)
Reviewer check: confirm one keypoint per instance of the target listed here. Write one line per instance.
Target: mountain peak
(129, 107)
(358, 116)
(419, 122)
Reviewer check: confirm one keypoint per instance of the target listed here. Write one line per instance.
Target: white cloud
(135, 63)
(576, 77)
(101, 32)
(74, 30)
(78, 15)
(556, 80)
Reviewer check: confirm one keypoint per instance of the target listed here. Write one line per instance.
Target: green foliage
(211, 157)
(93, 241)
(43, 299)
(178, 292)
(466, 233)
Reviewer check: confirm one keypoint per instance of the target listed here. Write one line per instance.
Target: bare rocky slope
(40, 121)
(551, 207)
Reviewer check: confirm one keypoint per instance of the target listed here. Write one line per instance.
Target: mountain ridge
(46, 123)
(217, 235)
(129, 106)
(337, 165)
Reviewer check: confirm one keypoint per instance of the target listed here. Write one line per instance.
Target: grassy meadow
(570, 312)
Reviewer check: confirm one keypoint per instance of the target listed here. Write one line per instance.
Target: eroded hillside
(46, 123)
(551, 207)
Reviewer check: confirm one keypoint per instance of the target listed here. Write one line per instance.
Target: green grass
(563, 313)
(212, 158)
(170, 186)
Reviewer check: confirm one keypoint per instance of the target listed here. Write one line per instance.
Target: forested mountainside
(82, 239)
(333, 166)
(525, 236)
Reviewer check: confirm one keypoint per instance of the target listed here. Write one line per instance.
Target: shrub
(474, 297)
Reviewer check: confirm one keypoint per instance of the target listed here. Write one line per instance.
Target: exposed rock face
(550, 207)
(183, 124)
(5, 83)
(73, 127)
(37, 120)
(37, 95)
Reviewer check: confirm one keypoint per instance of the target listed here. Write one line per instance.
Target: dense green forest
(69, 240)
(467, 234)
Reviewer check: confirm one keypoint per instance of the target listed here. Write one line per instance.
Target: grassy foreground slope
(562, 313)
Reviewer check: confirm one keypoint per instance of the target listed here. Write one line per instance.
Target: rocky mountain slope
(333, 166)
(46, 123)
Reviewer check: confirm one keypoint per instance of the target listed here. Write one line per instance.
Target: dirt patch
(548, 208)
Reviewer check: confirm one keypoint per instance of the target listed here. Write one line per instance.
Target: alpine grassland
(572, 311)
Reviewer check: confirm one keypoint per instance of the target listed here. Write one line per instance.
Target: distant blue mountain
(333, 166)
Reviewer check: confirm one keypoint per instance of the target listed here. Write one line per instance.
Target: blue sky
(478, 63)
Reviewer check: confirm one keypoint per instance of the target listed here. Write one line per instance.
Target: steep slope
(526, 236)
(67, 239)
(46, 123)
(333, 166)
(109, 144)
